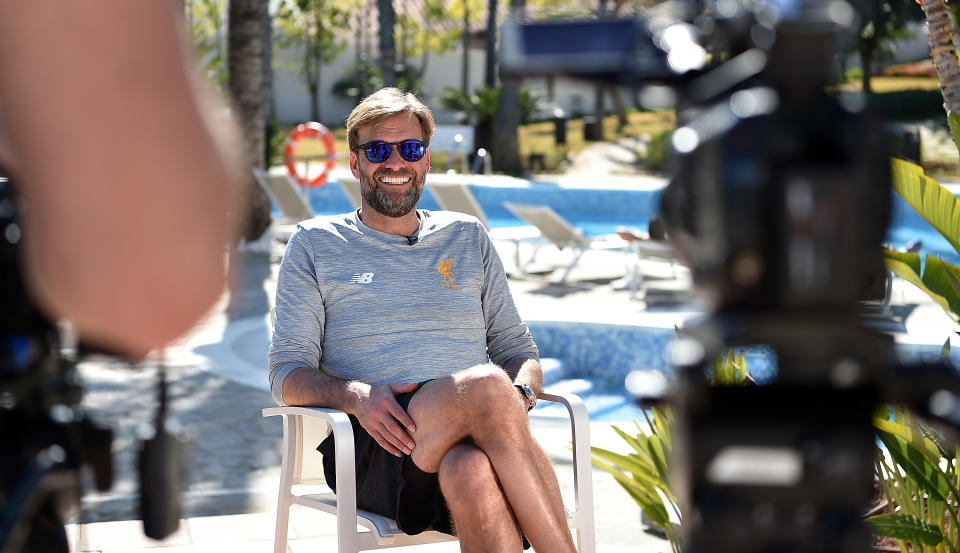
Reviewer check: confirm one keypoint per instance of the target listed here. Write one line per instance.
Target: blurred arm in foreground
(130, 189)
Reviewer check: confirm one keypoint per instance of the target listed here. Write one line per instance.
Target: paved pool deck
(218, 385)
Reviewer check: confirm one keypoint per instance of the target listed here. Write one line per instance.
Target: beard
(386, 204)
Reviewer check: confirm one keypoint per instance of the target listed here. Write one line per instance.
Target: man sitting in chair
(402, 318)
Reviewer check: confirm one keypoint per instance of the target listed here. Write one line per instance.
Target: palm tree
(944, 55)
(247, 45)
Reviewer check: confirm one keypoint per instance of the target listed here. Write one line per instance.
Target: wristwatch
(528, 394)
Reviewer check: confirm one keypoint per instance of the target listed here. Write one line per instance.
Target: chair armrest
(343, 440)
(580, 428)
(583, 517)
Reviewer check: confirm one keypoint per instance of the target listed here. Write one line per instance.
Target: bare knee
(466, 475)
(488, 392)
(465, 466)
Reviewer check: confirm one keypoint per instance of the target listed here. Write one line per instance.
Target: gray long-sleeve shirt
(360, 304)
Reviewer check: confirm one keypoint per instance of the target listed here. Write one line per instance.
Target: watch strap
(527, 392)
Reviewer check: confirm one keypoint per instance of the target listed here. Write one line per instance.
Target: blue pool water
(593, 358)
(599, 211)
(596, 212)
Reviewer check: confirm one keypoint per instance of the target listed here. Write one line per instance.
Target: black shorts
(391, 486)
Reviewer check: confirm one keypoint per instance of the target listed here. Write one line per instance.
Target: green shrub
(657, 151)
(907, 104)
(644, 472)
(276, 137)
(851, 75)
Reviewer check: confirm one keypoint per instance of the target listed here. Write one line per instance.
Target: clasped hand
(383, 418)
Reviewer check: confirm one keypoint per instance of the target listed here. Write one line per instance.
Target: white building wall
(291, 98)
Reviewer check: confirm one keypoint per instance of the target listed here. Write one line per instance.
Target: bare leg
(481, 404)
(481, 515)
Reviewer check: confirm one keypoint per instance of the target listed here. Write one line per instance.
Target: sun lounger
(455, 196)
(288, 198)
(555, 229)
(646, 247)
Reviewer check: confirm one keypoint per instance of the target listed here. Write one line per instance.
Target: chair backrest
(551, 225)
(457, 197)
(284, 194)
(351, 187)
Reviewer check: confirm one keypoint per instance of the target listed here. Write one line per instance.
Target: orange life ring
(310, 129)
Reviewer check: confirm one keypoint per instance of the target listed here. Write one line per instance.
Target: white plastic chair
(305, 427)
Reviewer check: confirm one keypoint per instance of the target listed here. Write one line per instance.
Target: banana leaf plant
(644, 472)
(937, 278)
(920, 476)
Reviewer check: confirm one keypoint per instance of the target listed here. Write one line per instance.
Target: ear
(355, 165)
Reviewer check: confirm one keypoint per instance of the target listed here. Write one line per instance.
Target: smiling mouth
(394, 180)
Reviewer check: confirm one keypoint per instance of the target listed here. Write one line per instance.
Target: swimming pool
(592, 360)
(599, 211)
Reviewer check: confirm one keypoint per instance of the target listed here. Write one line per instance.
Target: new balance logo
(362, 278)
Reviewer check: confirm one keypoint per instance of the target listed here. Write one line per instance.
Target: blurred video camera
(48, 442)
(779, 201)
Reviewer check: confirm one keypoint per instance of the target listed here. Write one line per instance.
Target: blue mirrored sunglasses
(378, 151)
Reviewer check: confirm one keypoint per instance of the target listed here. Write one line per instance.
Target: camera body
(779, 202)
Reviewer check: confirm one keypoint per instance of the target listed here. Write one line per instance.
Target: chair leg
(637, 279)
(280, 532)
(576, 259)
(291, 434)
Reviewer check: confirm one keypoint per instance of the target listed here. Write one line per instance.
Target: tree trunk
(489, 74)
(483, 134)
(943, 52)
(506, 154)
(598, 89)
(312, 55)
(465, 42)
(388, 48)
(314, 88)
(245, 59)
(598, 112)
(424, 63)
(361, 54)
(618, 106)
(267, 26)
(866, 47)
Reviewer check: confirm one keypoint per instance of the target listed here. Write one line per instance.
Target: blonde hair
(386, 103)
